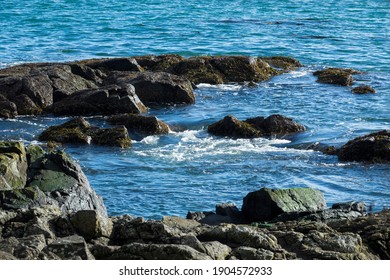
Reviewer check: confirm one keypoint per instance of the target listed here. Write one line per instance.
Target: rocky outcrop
(139, 124)
(337, 76)
(266, 204)
(282, 63)
(274, 125)
(110, 99)
(80, 131)
(363, 89)
(13, 165)
(156, 88)
(373, 147)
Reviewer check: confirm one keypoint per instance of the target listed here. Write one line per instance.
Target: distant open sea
(189, 169)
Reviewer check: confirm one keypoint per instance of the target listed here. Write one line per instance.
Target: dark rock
(374, 147)
(282, 62)
(88, 73)
(232, 127)
(227, 209)
(30, 247)
(274, 125)
(197, 216)
(110, 99)
(266, 204)
(363, 89)
(8, 109)
(337, 76)
(159, 63)
(319, 216)
(13, 165)
(78, 130)
(157, 88)
(70, 248)
(25, 106)
(115, 64)
(351, 206)
(248, 253)
(144, 125)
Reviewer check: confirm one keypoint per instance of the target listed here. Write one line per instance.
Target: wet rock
(139, 251)
(90, 224)
(274, 125)
(157, 88)
(363, 89)
(143, 125)
(78, 130)
(25, 106)
(282, 62)
(232, 127)
(337, 76)
(266, 204)
(112, 99)
(70, 248)
(13, 165)
(373, 147)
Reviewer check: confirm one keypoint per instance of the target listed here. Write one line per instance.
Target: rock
(115, 136)
(223, 69)
(197, 216)
(30, 247)
(274, 125)
(25, 106)
(232, 127)
(8, 109)
(94, 75)
(216, 250)
(282, 62)
(337, 76)
(78, 130)
(373, 147)
(157, 88)
(70, 248)
(159, 63)
(227, 209)
(266, 204)
(351, 206)
(143, 125)
(139, 251)
(13, 165)
(111, 99)
(6, 256)
(115, 64)
(90, 225)
(34, 153)
(363, 89)
(248, 253)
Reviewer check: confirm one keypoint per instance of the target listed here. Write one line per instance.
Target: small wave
(226, 87)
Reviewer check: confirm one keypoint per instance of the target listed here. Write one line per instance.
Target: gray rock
(13, 165)
(265, 204)
(351, 206)
(216, 250)
(29, 248)
(227, 209)
(248, 253)
(70, 248)
(6, 256)
(111, 99)
(90, 225)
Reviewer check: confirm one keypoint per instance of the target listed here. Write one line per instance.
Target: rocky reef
(49, 211)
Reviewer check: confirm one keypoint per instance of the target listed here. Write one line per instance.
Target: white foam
(150, 140)
(225, 87)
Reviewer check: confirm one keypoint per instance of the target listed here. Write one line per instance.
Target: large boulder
(157, 88)
(143, 125)
(337, 76)
(8, 109)
(80, 131)
(266, 204)
(111, 99)
(274, 125)
(373, 147)
(13, 165)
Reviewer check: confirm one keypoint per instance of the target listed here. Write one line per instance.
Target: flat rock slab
(266, 204)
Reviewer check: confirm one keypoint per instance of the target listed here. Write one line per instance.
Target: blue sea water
(189, 169)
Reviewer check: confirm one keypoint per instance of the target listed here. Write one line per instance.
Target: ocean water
(188, 169)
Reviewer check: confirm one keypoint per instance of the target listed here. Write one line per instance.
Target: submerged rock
(144, 125)
(112, 99)
(266, 204)
(337, 76)
(363, 89)
(373, 147)
(274, 125)
(282, 63)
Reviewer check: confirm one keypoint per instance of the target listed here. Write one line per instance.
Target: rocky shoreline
(48, 210)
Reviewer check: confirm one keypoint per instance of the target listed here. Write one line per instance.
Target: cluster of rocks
(49, 211)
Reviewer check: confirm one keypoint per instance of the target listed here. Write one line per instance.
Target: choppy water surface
(190, 169)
